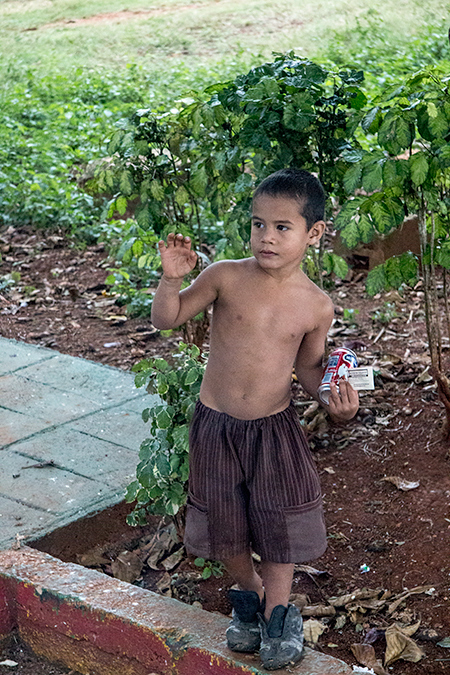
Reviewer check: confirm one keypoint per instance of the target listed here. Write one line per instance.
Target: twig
(382, 331)
(41, 465)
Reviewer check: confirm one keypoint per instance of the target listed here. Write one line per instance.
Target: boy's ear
(316, 232)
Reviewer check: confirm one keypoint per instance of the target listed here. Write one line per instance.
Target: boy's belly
(246, 393)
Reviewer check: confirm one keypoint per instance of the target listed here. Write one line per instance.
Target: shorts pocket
(305, 529)
(196, 534)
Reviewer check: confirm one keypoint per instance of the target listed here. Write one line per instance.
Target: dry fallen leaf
(95, 557)
(300, 600)
(127, 566)
(362, 594)
(365, 654)
(310, 570)
(164, 585)
(173, 560)
(401, 483)
(318, 610)
(413, 591)
(313, 629)
(400, 646)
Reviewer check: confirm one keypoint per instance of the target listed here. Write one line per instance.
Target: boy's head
(300, 185)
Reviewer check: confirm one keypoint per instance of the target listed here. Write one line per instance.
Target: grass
(196, 35)
(69, 70)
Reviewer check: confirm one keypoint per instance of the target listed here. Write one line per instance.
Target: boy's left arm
(343, 404)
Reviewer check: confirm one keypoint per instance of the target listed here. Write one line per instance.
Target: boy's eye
(282, 228)
(257, 224)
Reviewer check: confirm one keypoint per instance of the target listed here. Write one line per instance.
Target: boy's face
(279, 236)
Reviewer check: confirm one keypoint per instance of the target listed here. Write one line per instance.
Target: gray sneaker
(243, 633)
(282, 638)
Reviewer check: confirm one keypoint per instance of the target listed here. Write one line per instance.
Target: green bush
(161, 476)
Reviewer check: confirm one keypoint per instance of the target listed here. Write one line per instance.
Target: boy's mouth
(267, 253)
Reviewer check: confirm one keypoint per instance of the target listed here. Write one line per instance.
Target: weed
(210, 567)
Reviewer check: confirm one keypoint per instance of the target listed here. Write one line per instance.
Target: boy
(253, 484)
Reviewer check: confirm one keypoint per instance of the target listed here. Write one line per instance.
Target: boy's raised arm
(171, 307)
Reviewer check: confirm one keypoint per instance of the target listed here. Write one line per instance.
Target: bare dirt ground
(385, 476)
(15, 657)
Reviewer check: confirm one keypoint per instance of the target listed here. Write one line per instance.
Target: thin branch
(435, 302)
(447, 310)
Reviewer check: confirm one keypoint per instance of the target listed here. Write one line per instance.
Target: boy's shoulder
(225, 268)
(317, 298)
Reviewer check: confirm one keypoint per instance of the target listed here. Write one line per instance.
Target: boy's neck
(281, 275)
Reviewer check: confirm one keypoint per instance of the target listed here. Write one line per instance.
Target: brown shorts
(253, 484)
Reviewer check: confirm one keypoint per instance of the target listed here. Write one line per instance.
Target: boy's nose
(268, 235)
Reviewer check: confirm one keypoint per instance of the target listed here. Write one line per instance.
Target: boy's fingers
(334, 394)
(343, 391)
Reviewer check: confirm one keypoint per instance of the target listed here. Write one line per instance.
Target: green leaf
(157, 190)
(191, 376)
(126, 183)
(376, 280)
(409, 268)
(350, 234)
(172, 508)
(372, 177)
(352, 178)
(419, 168)
(443, 254)
(372, 120)
(121, 204)
(395, 132)
(138, 248)
(340, 267)
(163, 465)
(163, 419)
(206, 572)
(334, 263)
(296, 119)
(162, 385)
(181, 196)
(131, 491)
(357, 99)
(200, 562)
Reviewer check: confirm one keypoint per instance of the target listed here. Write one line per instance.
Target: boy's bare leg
(242, 570)
(277, 580)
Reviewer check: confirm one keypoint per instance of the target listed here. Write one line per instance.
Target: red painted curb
(102, 626)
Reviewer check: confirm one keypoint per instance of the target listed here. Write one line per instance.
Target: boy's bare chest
(285, 317)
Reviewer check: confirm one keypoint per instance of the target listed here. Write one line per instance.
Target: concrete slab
(102, 384)
(17, 425)
(49, 488)
(82, 454)
(14, 517)
(71, 412)
(52, 405)
(15, 355)
(117, 425)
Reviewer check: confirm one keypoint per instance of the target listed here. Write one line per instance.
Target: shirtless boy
(253, 484)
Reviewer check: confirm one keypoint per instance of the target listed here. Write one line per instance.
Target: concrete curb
(101, 626)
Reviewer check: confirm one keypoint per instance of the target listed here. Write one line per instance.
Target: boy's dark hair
(300, 185)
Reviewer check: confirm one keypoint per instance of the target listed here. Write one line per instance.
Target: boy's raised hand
(343, 404)
(177, 257)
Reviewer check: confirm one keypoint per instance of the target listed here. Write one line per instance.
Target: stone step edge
(98, 625)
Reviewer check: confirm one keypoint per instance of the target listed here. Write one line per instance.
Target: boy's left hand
(343, 404)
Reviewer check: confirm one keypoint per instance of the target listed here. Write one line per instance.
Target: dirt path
(121, 16)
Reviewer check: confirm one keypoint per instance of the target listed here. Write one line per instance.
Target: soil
(25, 662)
(380, 536)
